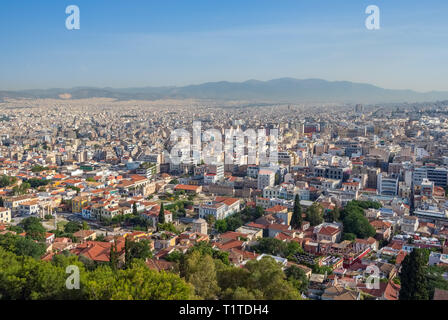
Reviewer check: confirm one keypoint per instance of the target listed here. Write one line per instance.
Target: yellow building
(78, 203)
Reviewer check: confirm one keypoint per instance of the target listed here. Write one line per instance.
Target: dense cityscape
(353, 207)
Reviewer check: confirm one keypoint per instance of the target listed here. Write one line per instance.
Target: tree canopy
(314, 214)
(296, 220)
(25, 278)
(354, 220)
(413, 279)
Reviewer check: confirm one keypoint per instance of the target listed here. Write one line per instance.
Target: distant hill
(277, 90)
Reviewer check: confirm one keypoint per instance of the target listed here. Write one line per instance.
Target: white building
(220, 208)
(387, 186)
(210, 178)
(29, 208)
(266, 178)
(437, 175)
(199, 226)
(409, 224)
(5, 215)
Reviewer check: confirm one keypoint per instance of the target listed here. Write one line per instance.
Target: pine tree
(296, 220)
(134, 209)
(413, 276)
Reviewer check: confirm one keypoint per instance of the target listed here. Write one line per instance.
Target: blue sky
(177, 42)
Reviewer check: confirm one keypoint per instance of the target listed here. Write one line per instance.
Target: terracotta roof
(256, 225)
(276, 226)
(226, 200)
(83, 233)
(233, 235)
(440, 294)
(392, 291)
(97, 251)
(160, 264)
(400, 257)
(276, 208)
(186, 187)
(328, 230)
(230, 244)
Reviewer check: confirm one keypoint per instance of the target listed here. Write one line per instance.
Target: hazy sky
(166, 42)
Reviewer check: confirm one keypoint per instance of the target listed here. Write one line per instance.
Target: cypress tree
(162, 214)
(296, 220)
(127, 254)
(113, 256)
(413, 276)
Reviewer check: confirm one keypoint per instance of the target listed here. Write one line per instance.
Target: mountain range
(284, 90)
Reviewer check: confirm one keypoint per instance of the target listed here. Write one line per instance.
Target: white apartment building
(286, 191)
(437, 175)
(5, 215)
(266, 178)
(220, 208)
(387, 186)
(409, 224)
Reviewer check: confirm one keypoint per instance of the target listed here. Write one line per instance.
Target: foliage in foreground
(24, 278)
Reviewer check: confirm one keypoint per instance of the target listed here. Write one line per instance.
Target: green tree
(72, 227)
(33, 228)
(22, 189)
(333, 215)
(210, 219)
(413, 279)
(6, 181)
(23, 278)
(136, 283)
(38, 168)
(296, 220)
(356, 223)
(221, 226)
(36, 183)
(258, 212)
(134, 209)
(167, 227)
(85, 226)
(161, 214)
(435, 277)
(136, 250)
(234, 222)
(278, 248)
(113, 256)
(206, 248)
(297, 277)
(22, 246)
(199, 270)
(349, 236)
(267, 276)
(315, 214)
